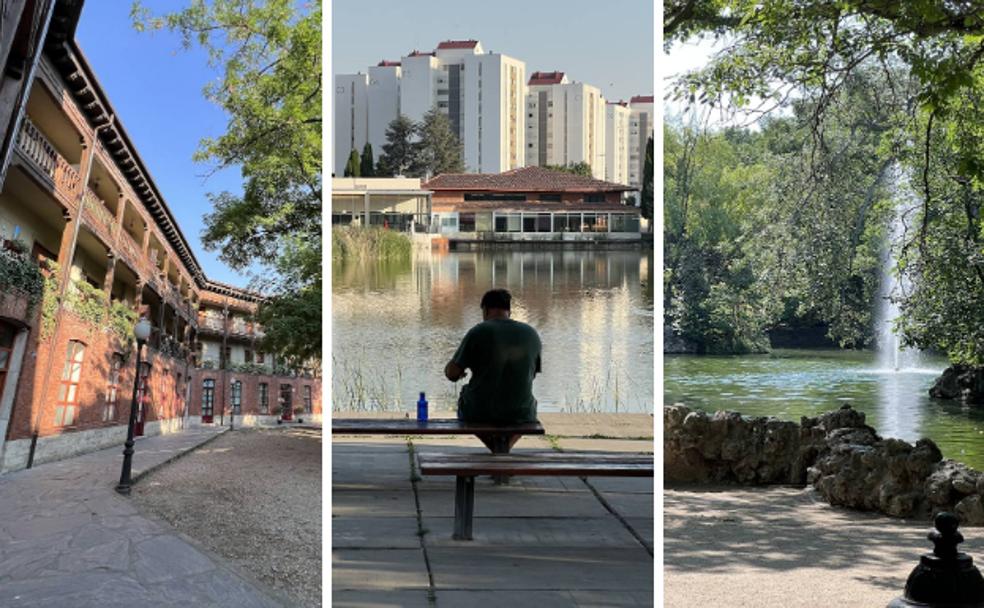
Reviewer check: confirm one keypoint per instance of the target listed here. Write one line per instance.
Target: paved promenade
(68, 540)
(785, 548)
(539, 541)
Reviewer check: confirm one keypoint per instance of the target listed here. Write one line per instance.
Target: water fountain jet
(891, 354)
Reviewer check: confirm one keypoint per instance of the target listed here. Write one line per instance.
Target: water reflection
(790, 384)
(396, 325)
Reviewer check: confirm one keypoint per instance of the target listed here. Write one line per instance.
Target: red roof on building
(546, 78)
(531, 206)
(527, 179)
(416, 53)
(388, 64)
(641, 99)
(458, 44)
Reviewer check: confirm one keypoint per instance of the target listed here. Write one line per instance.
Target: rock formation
(836, 453)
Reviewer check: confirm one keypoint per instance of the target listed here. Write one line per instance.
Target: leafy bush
(19, 274)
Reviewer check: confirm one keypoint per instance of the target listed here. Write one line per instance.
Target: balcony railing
(96, 206)
(212, 323)
(46, 158)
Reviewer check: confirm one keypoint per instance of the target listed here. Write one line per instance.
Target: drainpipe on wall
(65, 280)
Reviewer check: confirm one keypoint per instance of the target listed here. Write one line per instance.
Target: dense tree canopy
(883, 104)
(269, 56)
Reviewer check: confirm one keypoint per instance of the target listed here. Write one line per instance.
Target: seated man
(503, 356)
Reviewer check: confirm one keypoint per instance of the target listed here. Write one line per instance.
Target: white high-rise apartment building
(482, 93)
(383, 99)
(640, 130)
(351, 117)
(565, 123)
(617, 118)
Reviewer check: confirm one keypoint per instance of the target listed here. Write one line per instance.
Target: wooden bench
(499, 439)
(466, 466)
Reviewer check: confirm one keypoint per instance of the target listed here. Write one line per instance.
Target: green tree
(352, 167)
(581, 168)
(437, 149)
(269, 57)
(929, 54)
(365, 164)
(398, 152)
(647, 182)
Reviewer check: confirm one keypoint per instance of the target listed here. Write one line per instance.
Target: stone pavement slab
(544, 599)
(605, 445)
(533, 532)
(505, 501)
(70, 540)
(378, 569)
(545, 568)
(368, 503)
(375, 533)
(380, 599)
(538, 541)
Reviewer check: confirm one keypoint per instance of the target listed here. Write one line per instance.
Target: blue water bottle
(422, 409)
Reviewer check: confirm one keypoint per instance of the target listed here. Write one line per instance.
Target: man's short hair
(496, 298)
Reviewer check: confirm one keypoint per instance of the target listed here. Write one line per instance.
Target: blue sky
(156, 89)
(605, 44)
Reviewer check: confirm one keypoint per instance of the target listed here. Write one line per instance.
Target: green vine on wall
(19, 273)
(87, 302)
(49, 299)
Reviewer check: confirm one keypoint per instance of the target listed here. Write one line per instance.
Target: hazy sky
(157, 92)
(605, 44)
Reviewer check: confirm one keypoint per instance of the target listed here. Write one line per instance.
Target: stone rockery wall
(836, 453)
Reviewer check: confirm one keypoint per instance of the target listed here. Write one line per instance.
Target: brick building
(81, 217)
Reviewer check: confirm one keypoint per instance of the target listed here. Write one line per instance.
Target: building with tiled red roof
(388, 64)
(641, 99)
(547, 78)
(532, 203)
(457, 44)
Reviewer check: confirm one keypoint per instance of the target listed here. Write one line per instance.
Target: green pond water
(789, 384)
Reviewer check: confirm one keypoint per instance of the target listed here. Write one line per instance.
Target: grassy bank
(352, 243)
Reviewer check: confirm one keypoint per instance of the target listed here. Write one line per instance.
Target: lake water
(395, 326)
(794, 383)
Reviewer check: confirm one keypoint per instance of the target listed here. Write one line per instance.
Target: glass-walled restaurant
(619, 224)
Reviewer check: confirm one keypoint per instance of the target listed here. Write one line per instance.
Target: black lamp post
(232, 404)
(141, 331)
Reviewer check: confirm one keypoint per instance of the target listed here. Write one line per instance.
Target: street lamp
(232, 404)
(141, 331)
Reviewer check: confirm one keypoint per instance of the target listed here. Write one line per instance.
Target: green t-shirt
(503, 356)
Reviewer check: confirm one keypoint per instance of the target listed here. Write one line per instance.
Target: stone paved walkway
(780, 547)
(540, 542)
(68, 540)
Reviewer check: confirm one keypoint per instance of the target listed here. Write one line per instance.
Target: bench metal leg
(464, 507)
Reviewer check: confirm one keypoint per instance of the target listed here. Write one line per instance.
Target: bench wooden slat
(465, 467)
(434, 426)
(537, 464)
